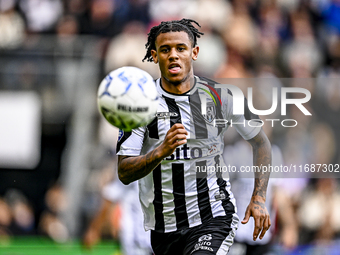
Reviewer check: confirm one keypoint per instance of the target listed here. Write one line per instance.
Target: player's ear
(195, 51)
(154, 56)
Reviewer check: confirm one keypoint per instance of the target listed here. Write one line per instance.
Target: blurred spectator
(50, 223)
(80, 10)
(330, 13)
(51, 226)
(5, 215)
(272, 24)
(302, 55)
(67, 26)
(328, 84)
(324, 144)
(327, 106)
(235, 67)
(12, 26)
(214, 14)
(127, 49)
(41, 15)
(106, 18)
(323, 200)
(102, 19)
(210, 45)
(240, 39)
(240, 34)
(55, 199)
(163, 10)
(23, 217)
(138, 10)
(23, 214)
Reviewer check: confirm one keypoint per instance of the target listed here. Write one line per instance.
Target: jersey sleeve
(248, 125)
(130, 143)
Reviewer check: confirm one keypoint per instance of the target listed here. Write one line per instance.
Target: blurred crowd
(279, 42)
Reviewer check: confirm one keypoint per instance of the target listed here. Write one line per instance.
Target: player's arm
(256, 208)
(92, 234)
(132, 168)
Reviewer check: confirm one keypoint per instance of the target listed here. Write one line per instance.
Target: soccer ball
(127, 98)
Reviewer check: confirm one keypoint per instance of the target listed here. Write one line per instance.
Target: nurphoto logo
(239, 105)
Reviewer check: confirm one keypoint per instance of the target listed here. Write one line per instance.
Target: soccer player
(177, 158)
(133, 239)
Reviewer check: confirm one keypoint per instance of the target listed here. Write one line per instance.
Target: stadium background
(56, 153)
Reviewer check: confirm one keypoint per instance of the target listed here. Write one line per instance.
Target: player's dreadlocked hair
(171, 26)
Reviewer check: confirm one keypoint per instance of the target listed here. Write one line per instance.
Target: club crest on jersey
(210, 112)
(209, 100)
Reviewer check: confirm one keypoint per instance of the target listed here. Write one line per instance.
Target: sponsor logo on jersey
(219, 195)
(207, 237)
(212, 149)
(163, 115)
(203, 243)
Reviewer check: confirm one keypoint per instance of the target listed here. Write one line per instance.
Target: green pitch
(44, 246)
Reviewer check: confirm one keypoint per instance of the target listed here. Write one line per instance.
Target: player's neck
(180, 87)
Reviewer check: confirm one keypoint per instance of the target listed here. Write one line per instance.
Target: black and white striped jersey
(188, 187)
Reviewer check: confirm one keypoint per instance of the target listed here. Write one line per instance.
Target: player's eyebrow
(164, 46)
(167, 46)
(182, 44)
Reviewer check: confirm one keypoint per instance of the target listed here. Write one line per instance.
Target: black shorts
(247, 249)
(212, 237)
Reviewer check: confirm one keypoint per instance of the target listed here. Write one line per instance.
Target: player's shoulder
(205, 80)
(214, 85)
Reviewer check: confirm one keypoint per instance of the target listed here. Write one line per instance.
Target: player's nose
(173, 54)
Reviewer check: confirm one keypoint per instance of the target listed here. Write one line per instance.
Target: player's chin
(176, 79)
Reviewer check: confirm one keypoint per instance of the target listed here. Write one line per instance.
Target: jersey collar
(163, 92)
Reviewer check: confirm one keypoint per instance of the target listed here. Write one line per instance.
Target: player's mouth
(174, 68)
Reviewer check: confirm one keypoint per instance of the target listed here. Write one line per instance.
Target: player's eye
(181, 48)
(164, 50)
